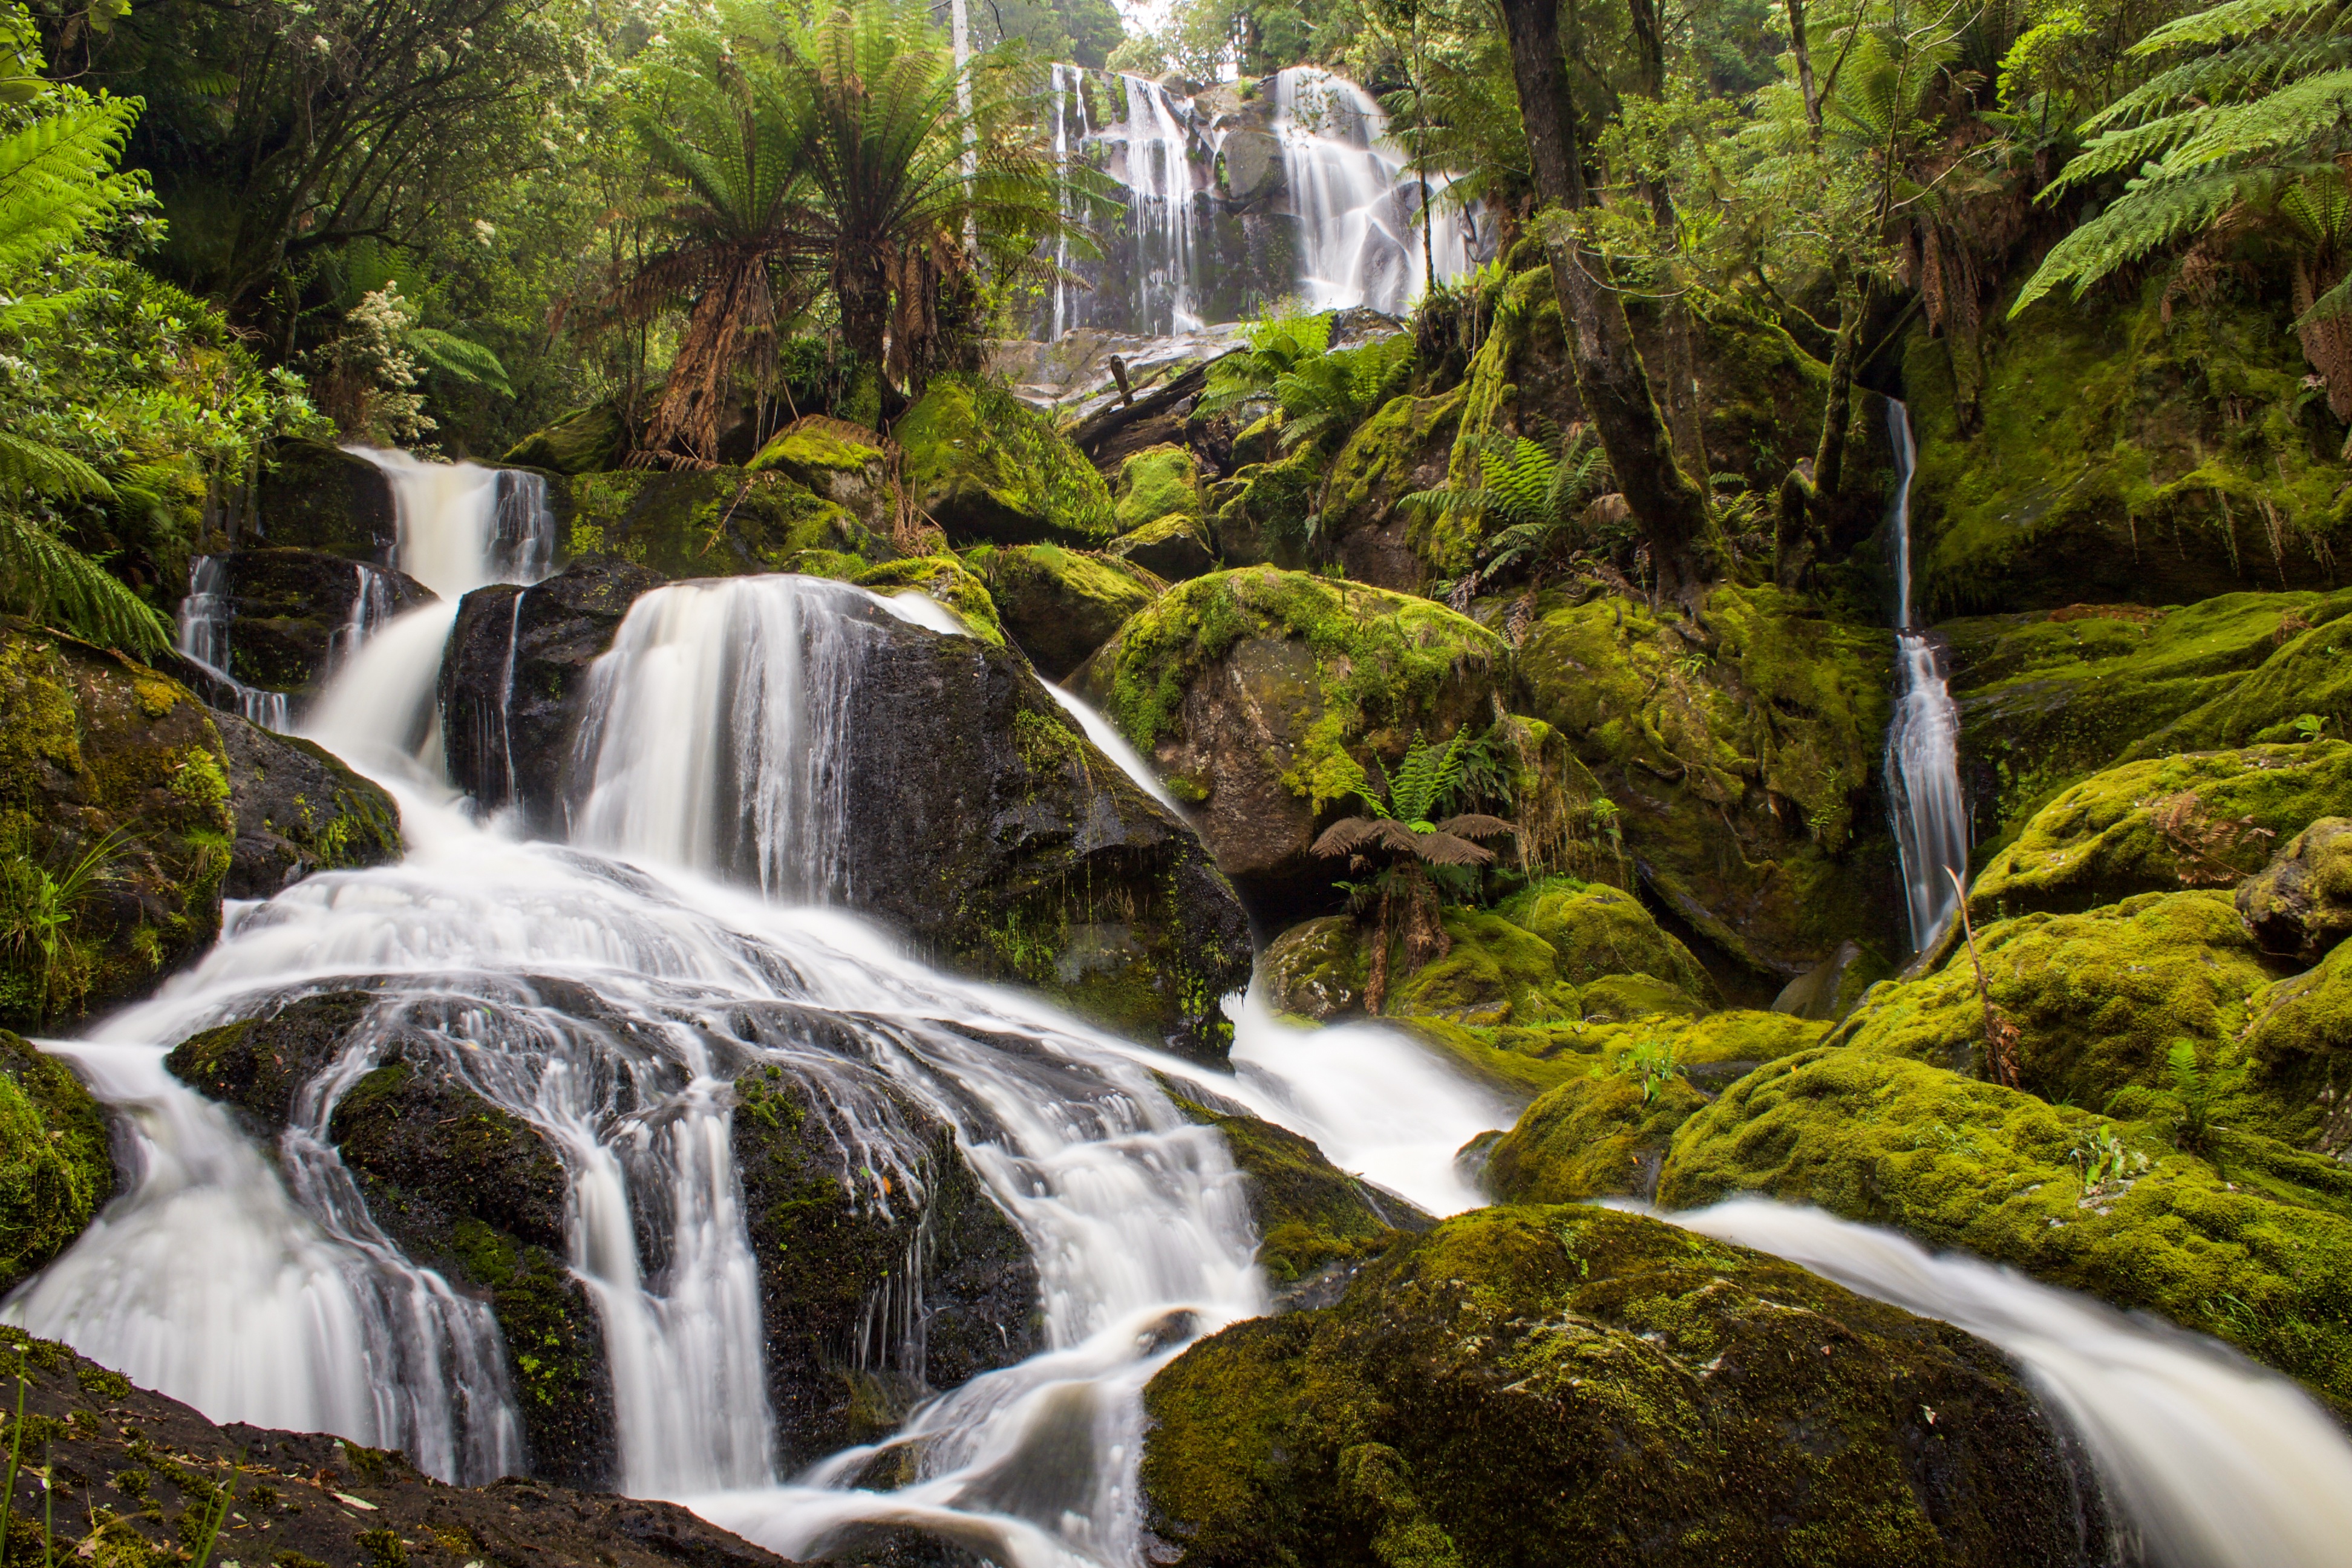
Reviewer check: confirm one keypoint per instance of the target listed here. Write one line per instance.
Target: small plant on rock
(1652, 1063)
(2193, 1090)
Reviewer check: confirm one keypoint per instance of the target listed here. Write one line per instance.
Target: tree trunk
(1668, 508)
(1805, 69)
(1675, 332)
(1828, 459)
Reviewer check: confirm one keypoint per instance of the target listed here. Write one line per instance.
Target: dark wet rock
(292, 612)
(108, 766)
(1060, 604)
(1526, 1386)
(298, 810)
(296, 1498)
(513, 674)
(875, 1291)
(315, 495)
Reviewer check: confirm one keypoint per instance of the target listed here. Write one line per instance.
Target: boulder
(316, 496)
(1059, 606)
(1157, 482)
(298, 810)
(1526, 1060)
(115, 825)
(299, 1498)
(2298, 1056)
(1259, 515)
(1403, 448)
(1175, 549)
(56, 1168)
(1526, 1386)
(1738, 750)
(513, 674)
(1316, 969)
(2301, 903)
(711, 522)
(838, 461)
(2263, 1261)
(2191, 820)
(842, 1249)
(293, 612)
(1251, 162)
(989, 470)
(462, 1186)
(1603, 1134)
(1595, 930)
(1267, 694)
(589, 441)
(943, 579)
(1835, 986)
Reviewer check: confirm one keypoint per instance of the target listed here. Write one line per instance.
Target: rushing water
(205, 615)
(2213, 1462)
(1923, 743)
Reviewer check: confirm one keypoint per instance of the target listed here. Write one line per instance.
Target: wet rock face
(2301, 903)
(461, 1185)
(102, 756)
(512, 675)
(1059, 604)
(876, 1287)
(298, 810)
(291, 1491)
(314, 496)
(1526, 1386)
(292, 612)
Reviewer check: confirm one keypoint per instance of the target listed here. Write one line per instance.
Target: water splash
(1923, 743)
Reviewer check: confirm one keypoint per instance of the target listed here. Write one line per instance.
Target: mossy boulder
(1739, 750)
(1493, 971)
(461, 1185)
(2261, 1258)
(514, 674)
(2194, 819)
(292, 612)
(1833, 988)
(838, 461)
(1403, 449)
(1059, 606)
(2300, 905)
(943, 579)
(2050, 697)
(988, 469)
(2099, 1000)
(2302, 688)
(2125, 451)
(313, 495)
(1159, 481)
(711, 522)
(1267, 693)
(1526, 1060)
(589, 441)
(1258, 514)
(1527, 1386)
(1315, 970)
(1315, 1224)
(56, 1170)
(1596, 930)
(298, 810)
(2299, 1054)
(1603, 1134)
(849, 1248)
(1175, 549)
(100, 756)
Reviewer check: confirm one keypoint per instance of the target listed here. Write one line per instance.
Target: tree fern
(46, 578)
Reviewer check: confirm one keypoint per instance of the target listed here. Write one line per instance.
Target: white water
(205, 617)
(2213, 1462)
(1114, 745)
(1158, 173)
(1923, 743)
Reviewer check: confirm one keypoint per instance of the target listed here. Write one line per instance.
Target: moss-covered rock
(589, 441)
(298, 810)
(846, 1252)
(1739, 751)
(1403, 449)
(1059, 604)
(2302, 688)
(1259, 515)
(2300, 905)
(2121, 456)
(1601, 1135)
(1527, 1386)
(1175, 549)
(1832, 989)
(711, 522)
(313, 495)
(1596, 930)
(1267, 692)
(1159, 481)
(2299, 1054)
(55, 1171)
(838, 461)
(988, 469)
(1493, 971)
(2263, 1260)
(2196, 819)
(943, 579)
(1527, 1059)
(290, 613)
(111, 769)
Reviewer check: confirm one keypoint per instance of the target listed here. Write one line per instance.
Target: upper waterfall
(1923, 767)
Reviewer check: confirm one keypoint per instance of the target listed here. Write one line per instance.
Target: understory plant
(37, 906)
(1395, 843)
(1652, 1063)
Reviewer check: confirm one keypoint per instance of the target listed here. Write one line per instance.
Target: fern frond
(28, 467)
(2132, 229)
(2230, 21)
(460, 357)
(46, 578)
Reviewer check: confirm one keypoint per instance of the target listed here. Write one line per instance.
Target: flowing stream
(1923, 743)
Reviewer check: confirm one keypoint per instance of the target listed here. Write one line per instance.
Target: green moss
(945, 579)
(593, 439)
(710, 523)
(807, 444)
(1316, 969)
(1383, 461)
(2193, 820)
(1309, 1214)
(1175, 548)
(1157, 482)
(551, 1335)
(986, 468)
(2299, 1054)
(2300, 906)
(1742, 754)
(1618, 998)
(2309, 673)
(1957, 1162)
(56, 1172)
(1495, 972)
(1060, 604)
(1596, 930)
(1591, 1137)
(1526, 1386)
(1378, 657)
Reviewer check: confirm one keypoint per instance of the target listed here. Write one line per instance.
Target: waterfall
(1923, 743)
(370, 609)
(1068, 88)
(1157, 137)
(205, 615)
(2214, 1462)
(1114, 745)
(462, 526)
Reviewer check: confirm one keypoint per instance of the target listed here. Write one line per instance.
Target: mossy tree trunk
(1669, 508)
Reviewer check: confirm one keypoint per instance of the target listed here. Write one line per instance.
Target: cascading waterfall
(1923, 743)
(1357, 219)
(1070, 131)
(370, 609)
(1157, 137)
(205, 615)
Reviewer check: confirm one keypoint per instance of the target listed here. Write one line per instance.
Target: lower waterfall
(1923, 743)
